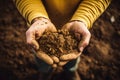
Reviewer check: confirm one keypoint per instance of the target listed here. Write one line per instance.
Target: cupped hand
(37, 29)
(81, 33)
(35, 32)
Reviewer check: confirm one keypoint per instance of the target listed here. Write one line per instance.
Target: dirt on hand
(58, 43)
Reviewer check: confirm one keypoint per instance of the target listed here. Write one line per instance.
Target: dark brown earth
(58, 43)
(99, 61)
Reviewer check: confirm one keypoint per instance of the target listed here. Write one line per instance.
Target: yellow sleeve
(31, 9)
(89, 10)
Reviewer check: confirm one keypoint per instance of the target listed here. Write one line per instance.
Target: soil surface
(99, 61)
(58, 43)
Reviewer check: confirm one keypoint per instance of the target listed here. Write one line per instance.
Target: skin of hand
(82, 34)
(35, 32)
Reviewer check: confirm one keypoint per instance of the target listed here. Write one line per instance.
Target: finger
(43, 56)
(51, 28)
(62, 63)
(84, 41)
(54, 65)
(35, 44)
(30, 38)
(70, 56)
(55, 59)
(66, 27)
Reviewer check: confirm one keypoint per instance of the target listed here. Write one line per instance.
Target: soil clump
(58, 43)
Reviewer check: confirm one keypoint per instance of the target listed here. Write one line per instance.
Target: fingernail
(81, 49)
(35, 47)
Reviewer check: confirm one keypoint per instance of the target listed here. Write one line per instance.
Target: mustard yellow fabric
(89, 10)
(86, 11)
(31, 9)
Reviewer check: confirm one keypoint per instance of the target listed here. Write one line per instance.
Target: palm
(82, 34)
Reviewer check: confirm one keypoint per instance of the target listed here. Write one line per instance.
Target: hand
(81, 33)
(35, 32)
(37, 29)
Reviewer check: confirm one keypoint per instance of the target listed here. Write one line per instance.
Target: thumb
(51, 28)
(66, 26)
(30, 37)
(84, 41)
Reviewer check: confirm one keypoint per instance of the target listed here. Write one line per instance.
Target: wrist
(39, 18)
(76, 21)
